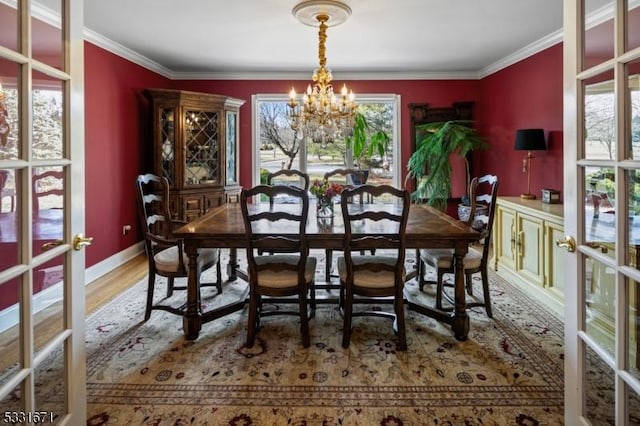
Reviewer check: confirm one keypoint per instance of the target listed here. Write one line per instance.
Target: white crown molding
(527, 51)
(126, 53)
(338, 76)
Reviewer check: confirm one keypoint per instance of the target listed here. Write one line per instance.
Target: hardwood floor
(105, 288)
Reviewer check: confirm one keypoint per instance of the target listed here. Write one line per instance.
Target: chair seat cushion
(282, 279)
(368, 279)
(443, 258)
(167, 260)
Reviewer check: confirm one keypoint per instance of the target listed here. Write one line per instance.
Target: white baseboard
(111, 263)
(50, 295)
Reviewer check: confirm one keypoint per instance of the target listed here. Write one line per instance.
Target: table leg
(232, 266)
(192, 320)
(460, 324)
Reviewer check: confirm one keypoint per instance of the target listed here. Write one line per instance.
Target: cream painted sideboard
(524, 250)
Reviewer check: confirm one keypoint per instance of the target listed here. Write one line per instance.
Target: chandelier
(321, 115)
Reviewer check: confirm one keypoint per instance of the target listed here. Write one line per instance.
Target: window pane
(600, 303)
(634, 407)
(599, 117)
(9, 330)
(633, 87)
(9, 107)
(633, 23)
(48, 292)
(600, 209)
(47, 117)
(9, 33)
(48, 205)
(47, 34)
(50, 403)
(599, 390)
(634, 328)
(598, 39)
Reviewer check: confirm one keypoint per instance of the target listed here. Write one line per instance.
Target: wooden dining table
(223, 227)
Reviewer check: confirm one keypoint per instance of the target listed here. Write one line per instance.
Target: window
(276, 146)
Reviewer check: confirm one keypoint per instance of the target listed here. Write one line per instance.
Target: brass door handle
(568, 243)
(79, 241)
(51, 244)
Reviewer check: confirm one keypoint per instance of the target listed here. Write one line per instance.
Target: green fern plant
(430, 164)
(365, 142)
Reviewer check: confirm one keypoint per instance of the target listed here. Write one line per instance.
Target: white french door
(42, 211)
(602, 211)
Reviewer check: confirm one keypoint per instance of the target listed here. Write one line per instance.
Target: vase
(324, 208)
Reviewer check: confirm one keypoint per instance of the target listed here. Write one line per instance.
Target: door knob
(567, 243)
(51, 244)
(79, 241)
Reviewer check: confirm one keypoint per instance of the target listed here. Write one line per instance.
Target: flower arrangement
(324, 192)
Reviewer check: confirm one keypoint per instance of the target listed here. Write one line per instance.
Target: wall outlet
(126, 229)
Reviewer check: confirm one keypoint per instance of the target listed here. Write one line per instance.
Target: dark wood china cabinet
(195, 146)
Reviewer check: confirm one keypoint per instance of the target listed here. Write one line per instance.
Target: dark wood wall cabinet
(195, 146)
(424, 113)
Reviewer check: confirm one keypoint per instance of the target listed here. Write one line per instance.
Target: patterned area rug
(509, 371)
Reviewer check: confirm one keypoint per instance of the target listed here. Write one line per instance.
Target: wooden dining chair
(348, 178)
(165, 254)
(483, 191)
(48, 189)
(374, 276)
(281, 274)
(5, 191)
(290, 177)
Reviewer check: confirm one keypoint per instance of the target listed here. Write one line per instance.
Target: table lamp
(529, 140)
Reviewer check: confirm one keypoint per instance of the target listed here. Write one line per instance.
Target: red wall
(525, 95)
(116, 127)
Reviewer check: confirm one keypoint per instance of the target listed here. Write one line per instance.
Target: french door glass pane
(599, 118)
(9, 330)
(9, 107)
(599, 390)
(9, 33)
(633, 233)
(48, 111)
(47, 301)
(9, 220)
(634, 328)
(48, 205)
(600, 303)
(46, 33)
(599, 35)
(50, 389)
(633, 401)
(600, 209)
(633, 26)
(633, 88)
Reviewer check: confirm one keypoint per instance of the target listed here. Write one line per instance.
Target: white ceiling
(381, 39)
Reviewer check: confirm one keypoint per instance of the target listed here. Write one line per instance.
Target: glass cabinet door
(201, 148)
(168, 149)
(232, 170)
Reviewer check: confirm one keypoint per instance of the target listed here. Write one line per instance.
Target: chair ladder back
(484, 221)
(290, 241)
(348, 174)
(45, 184)
(354, 217)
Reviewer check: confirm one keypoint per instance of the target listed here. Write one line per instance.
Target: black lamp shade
(530, 140)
